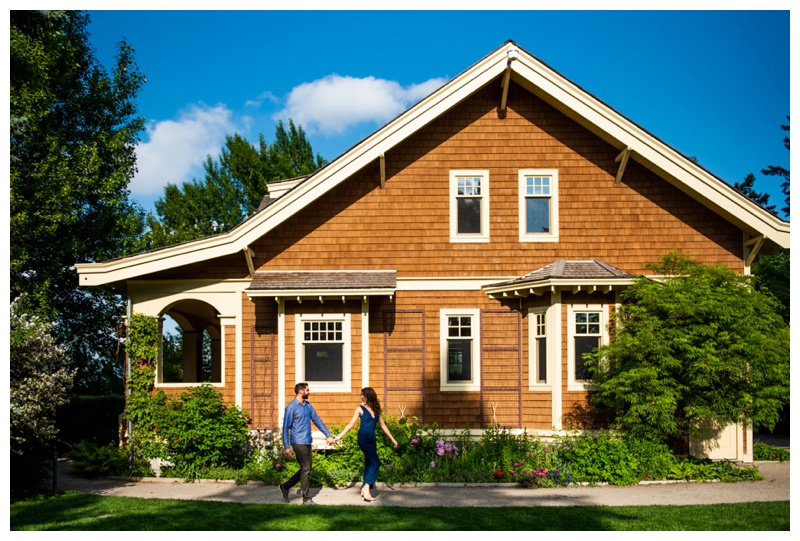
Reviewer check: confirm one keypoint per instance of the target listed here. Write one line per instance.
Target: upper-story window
(469, 206)
(538, 205)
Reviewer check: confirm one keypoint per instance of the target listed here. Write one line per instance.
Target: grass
(86, 512)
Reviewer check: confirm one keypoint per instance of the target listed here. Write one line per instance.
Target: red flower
(498, 474)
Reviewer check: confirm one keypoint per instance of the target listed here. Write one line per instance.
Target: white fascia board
(586, 285)
(316, 293)
(248, 232)
(646, 149)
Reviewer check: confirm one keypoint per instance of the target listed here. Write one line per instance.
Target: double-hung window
(538, 347)
(587, 332)
(538, 205)
(469, 206)
(460, 350)
(323, 351)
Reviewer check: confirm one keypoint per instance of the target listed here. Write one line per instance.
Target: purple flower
(433, 463)
(415, 440)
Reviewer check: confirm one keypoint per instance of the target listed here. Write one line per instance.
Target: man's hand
(330, 440)
(288, 452)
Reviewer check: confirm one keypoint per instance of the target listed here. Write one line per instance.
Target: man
(297, 419)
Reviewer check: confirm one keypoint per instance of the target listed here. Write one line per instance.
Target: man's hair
(299, 387)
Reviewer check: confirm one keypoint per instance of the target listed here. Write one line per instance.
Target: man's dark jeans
(304, 457)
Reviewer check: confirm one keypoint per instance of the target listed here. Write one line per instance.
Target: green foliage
(232, 189)
(200, 432)
(73, 133)
(92, 460)
(600, 458)
(772, 274)
(763, 451)
(701, 344)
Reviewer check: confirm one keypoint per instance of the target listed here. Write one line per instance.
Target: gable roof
(524, 69)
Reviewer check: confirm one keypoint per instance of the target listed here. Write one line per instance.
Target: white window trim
(483, 236)
(299, 360)
(572, 383)
(475, 384)
(533, 385)
(552, 236)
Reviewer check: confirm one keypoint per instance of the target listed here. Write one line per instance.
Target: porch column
(556, 359)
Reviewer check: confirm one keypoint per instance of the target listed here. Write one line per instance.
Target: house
(459, 260)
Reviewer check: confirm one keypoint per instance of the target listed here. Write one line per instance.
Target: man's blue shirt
(297, 419)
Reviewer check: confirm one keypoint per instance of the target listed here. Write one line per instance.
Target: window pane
(323, 362)
(580, 317)
(469, 214)
(459, 360)
(594, 317)
(584, 344)
(541, 354)
(537, 215)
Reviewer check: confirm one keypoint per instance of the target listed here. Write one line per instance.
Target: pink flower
(415, 440)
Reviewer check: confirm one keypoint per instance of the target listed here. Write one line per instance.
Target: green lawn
(77, 511)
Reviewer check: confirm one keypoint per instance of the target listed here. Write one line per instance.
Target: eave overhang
(532, 75)
(590, 276)
(323, 285)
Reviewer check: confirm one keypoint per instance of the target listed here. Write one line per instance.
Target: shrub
(763, 451)
(91, 460)
(201, 432)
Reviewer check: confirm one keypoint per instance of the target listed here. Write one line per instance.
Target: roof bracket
(622, 159)
(755, 245)
(248, 255)
(512, 55)
(383, 171)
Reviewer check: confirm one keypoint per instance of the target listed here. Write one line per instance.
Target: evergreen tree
(232, 188)
(777, 171)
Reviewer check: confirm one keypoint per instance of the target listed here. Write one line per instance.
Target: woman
(370, 413)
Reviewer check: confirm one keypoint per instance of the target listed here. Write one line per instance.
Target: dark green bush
(763, 451)
(89, 418)
(200, 432)
(93, 460)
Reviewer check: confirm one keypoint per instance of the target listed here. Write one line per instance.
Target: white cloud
(334, 103)
(177, 149)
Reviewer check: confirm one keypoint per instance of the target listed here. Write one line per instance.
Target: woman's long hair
(372, 400)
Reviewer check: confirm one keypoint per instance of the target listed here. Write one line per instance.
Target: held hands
(331, 440)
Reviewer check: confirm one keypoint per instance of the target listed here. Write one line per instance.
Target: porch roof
(573, 275)
(322, 284)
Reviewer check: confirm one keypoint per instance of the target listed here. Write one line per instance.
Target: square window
(323, 351)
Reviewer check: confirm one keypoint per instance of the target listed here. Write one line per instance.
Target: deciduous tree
(700, 344)
(73, 130)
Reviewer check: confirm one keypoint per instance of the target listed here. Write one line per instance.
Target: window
(538, 205)
(586, 333)
(469, 206)
(460, 350)
(538, 347)
(323, 351)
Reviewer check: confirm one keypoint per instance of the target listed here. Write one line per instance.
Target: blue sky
(712, 84)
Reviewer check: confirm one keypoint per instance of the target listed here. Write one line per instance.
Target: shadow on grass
(76, 511)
